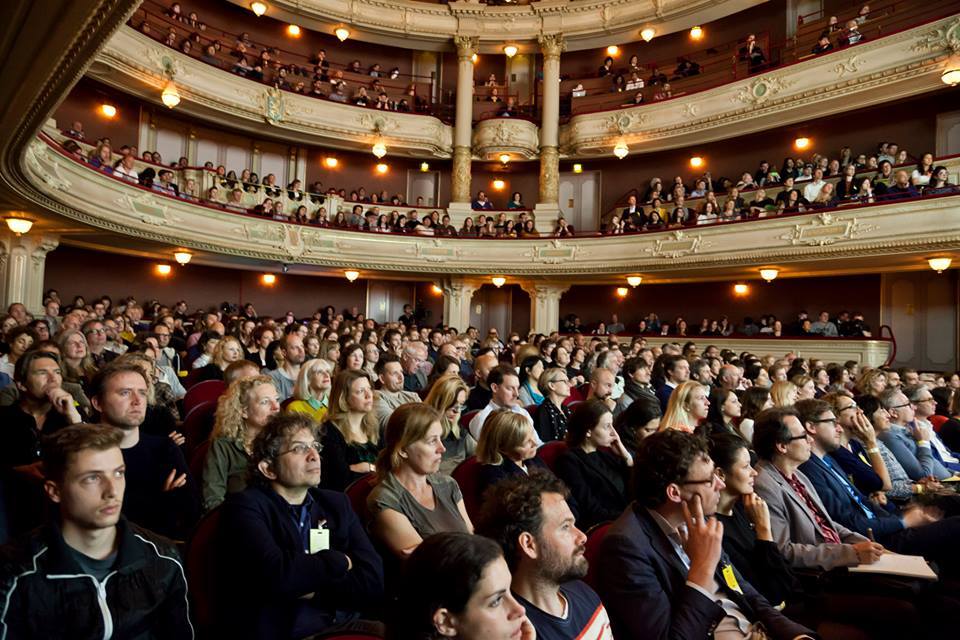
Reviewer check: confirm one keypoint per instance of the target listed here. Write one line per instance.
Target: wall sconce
(769, 274)
(498, 281)
(183, 257)
(499, 184)
(268, 279)
(622, 292)
(634, 281)
(382, 168)
(696, 162)
(473, 58)
(330, 162)
(696, 32)
(613, 50)
(437, 291)
(424, 167)
(163, 269)
(801, 143)
(293, 31)
(939, 264)
(740, 289)
(578, 168)
(19, 224)
(351, 275)
(108, 110)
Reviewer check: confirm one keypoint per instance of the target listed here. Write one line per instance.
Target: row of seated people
(800, 185)
(374, 87)
(314, 560)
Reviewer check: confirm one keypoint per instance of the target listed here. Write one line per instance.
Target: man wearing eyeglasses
(96, 337)
(295, 559)
(661, 571)
(908, 440)
(925, 406)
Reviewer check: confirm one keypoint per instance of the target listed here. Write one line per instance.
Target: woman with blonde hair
(242, 412)
(311, 392)
(448, 395)
(78, 364)
(784, 393)
(507, 447)
(330, 351)
(351, 440)
(411, 500)
(228, 350)
(872, 382)
(806, 387)
(689, 406)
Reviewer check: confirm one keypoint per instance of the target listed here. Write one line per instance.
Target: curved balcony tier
(844, 238)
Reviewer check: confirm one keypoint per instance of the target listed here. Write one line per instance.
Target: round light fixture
(268, 279)
(696, 32)
(613, 50)
(740, 289)
(696, 162)
(498, 281)
(342, 33)
(19, 224)
(437, 291)
(621, 150)
(108, 110)
(293, 31)
(351, 275)
(424, 167)
(382, 168)
(510, 50)
(951, 76)
(622, 292)
(182, 257)
(379, 149)
(170, 95)
(473, 58)
(499, 184)
(801, 143)
(330, 162)
(648, 33)
(578, 168)
(258, 8)
(504, 158)
(634, 281)
(164, 269)
(939, 264)
(769, 274)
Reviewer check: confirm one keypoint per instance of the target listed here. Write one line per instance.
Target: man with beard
(160, 494)
(530, 519)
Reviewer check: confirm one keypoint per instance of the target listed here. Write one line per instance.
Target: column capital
(545, 290)
(466, 46)
(552, 44)
(459, 287)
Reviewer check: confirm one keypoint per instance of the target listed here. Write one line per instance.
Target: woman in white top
(20, 340)
(125, 170)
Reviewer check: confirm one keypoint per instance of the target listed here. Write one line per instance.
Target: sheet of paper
(895, 564)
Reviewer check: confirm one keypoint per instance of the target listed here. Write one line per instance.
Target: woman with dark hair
(530, 371)
(637, 422)
(351, 358)
(747, 535)
(939, 183)
(457, 585)
(516, 201)
(596, 466)
(724, 412)
(443, 366)
(752, 401)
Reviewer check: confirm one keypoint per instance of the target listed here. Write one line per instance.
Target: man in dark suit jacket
(917, 530)
(295, 560)
(657, 584)
(632, 212)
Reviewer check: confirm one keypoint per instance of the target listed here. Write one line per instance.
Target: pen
(870, 534)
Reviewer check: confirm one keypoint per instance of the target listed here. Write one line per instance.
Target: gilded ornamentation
(625, 122)
(466, 46)
(945, 37)
(460, 180)
(273, 109)
(680, 245)
(549, 175)
(850, 65)
(552, 45)
(762, 89)
(826, 229)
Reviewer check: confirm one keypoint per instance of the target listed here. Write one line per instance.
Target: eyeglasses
(899, 406)
(922, 400)
(100, 331)
(302, 448)
(826, 421)
(805, 436)
(713, 478)
(850, 406)
(456, 408)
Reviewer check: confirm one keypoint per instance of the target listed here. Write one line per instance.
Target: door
(423, 184)
(580, 199)
(385, 299)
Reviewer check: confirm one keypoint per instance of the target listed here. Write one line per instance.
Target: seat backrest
(286, 403)
(937, 422)
(594, 538)
(550, 452)
(467, 417)
(532, 410)
(197, 460)
(203, 392)
(198, 424)
(467, 475)
(201, 572)
(358, 491)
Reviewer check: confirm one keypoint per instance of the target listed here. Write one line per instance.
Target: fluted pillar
(463, 123)
(457, 296)
(548, 205)
(22, 263)
(544, 305)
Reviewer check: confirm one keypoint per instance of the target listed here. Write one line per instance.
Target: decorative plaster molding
(872, 72)
(101, 201)
(129, 62)
(506, 135)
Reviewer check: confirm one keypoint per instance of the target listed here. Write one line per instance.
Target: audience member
(351, 437)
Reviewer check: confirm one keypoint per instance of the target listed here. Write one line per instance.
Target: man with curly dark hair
(529, 517)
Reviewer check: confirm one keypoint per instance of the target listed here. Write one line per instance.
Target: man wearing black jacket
(295, 560)
(90, 573)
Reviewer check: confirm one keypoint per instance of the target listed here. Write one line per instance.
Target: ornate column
(22, 262)
(544, 305)
(548, 206)
(457, 294)
(463, 124)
